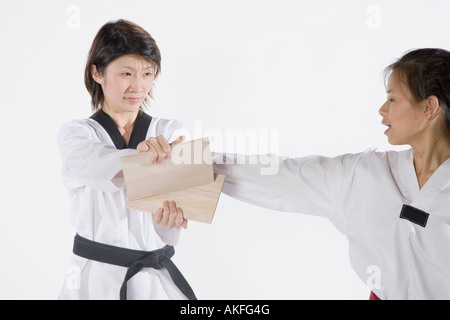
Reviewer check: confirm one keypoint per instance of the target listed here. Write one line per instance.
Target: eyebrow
(131, 68)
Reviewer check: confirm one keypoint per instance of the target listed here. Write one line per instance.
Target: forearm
(268, 181)
(313, 185)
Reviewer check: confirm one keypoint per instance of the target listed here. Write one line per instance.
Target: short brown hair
(114, 40)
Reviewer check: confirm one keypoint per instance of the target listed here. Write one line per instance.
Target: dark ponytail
(426, 72)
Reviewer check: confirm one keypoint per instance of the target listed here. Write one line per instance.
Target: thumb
(178, 140)
(142, 147)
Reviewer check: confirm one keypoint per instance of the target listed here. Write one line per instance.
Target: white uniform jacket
(364, 195)
(99, 210)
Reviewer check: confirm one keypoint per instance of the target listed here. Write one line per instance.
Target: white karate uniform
(362, 194)
(99, 212)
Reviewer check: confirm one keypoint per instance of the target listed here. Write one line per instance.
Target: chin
(131, 108)
(395, 142)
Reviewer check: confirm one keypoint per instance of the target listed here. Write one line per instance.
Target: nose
(137, 84)
(384, 108)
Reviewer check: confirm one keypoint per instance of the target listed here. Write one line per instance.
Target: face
(404, 120)
(126, 83)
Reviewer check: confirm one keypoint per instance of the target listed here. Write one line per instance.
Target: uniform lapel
(110, 127)
(434, 185)
(138, 134)
(140, 130)
(408, 183)
(414, 196)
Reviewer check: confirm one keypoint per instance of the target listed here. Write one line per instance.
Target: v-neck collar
(434, 185)
(424, 197)
(138, 134)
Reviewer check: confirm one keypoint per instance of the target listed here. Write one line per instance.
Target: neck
(123, 120)
(430, 154)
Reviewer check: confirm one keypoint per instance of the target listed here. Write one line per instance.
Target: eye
(127, 74)
(148, 74)
(391, 100)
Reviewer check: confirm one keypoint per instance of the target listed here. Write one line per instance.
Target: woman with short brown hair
(120, 252)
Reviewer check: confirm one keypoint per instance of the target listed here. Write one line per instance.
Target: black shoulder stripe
(140, 130)
(110, 126)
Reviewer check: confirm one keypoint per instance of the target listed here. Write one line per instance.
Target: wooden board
(190, 166)
(187, 178)
(198, 203)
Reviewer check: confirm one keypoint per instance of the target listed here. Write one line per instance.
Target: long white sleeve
(363, 195)
(312, 185)
(91, 163)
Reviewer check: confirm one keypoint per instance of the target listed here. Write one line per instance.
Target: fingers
(172, 213)
(179, 219)
(156, 152)
(170, 216)
(158, 148)
(142, 147)
(165, 146)
(178, 140)
(157, 217)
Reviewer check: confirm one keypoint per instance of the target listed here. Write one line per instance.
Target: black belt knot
(134, 260)
(152, 259)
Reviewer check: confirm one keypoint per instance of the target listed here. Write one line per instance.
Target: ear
(432, 107)
(96, 75)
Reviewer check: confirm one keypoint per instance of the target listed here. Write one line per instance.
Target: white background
(313, 70)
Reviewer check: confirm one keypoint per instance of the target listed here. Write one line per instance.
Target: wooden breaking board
(187, 178)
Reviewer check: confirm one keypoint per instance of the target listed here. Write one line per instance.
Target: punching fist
(158, 148)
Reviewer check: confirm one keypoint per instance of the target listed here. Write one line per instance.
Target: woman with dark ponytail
(394, 207)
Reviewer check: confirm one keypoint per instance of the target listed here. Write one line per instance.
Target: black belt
(134, 260)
